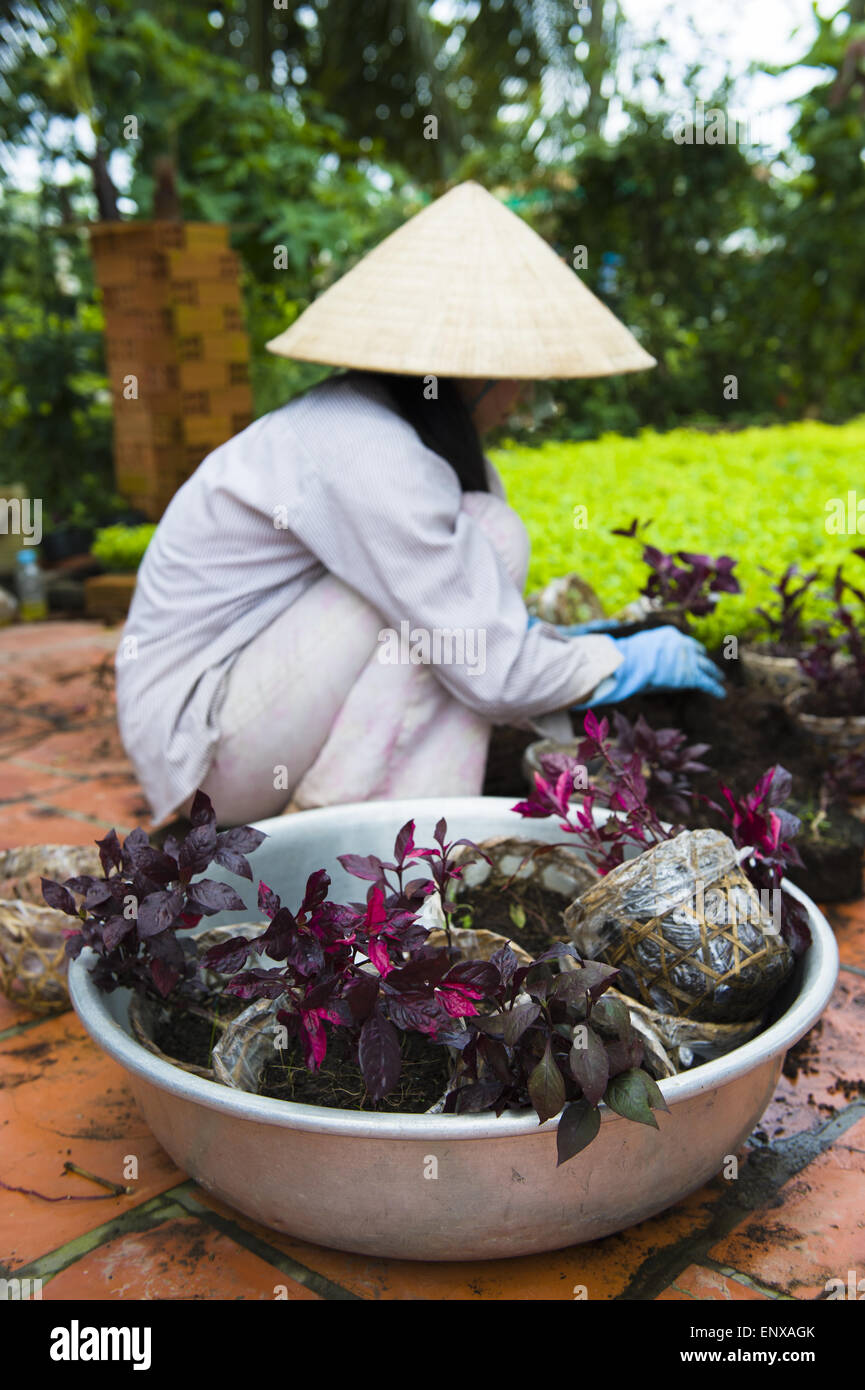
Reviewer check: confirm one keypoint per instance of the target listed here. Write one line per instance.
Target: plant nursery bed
(746, 735)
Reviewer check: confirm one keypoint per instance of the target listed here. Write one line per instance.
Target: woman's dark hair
(443, 424)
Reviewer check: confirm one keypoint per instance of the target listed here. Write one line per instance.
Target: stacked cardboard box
(178, 354)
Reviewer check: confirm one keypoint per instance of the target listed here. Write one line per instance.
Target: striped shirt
(334, 481)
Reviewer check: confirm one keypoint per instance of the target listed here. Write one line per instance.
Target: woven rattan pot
(514, 863)
(776, 676)
(687, 1041)
(566, 600)
(32, 944)
(842, 735)
(686, 929)
(562, 871)
(513, 859)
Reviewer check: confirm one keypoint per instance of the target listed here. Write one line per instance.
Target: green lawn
(759, 495)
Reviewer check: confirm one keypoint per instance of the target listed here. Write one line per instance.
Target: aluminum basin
(368, 1182)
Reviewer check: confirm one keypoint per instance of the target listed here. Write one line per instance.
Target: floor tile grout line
(65, 813)
(173, 1203)
(144, 1217)
(854, 969)
(694, 1248)
(74, 779)
(745, 1279)
(309, 1278)
(26, 1024)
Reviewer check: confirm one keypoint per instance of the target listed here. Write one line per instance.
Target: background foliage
(303, 125)
(769, 490)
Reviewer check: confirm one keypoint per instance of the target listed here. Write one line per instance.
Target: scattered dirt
(850, 1088)
(491, 909)
(34, 1051)
(338, 1083)
(803, 1059)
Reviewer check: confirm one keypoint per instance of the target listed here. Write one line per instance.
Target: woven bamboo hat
(465, 288)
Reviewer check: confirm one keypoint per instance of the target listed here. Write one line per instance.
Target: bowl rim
(820, 965)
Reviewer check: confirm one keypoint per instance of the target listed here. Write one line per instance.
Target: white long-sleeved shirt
(334, 481)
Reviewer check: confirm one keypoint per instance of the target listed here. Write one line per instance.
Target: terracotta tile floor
(795, 1218)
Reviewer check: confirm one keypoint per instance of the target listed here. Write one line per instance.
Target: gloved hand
(660, 659)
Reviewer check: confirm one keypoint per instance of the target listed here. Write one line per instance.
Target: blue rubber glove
(660, 659)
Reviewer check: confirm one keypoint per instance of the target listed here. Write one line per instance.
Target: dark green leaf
(611, 1014)
(654, 1093)
(578, 1126)
(492, 1024)
(627, 1094)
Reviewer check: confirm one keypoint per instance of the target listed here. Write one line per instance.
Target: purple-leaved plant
(667, 759)
(682, 584)
(526, 1035)
(835, 665)
(554, 1040)
(130, 916)
(366, 969)
(789, 632)
(758, 821)
(363, 967)
(623, 786)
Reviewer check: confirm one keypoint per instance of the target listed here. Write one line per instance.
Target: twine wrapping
(32, 944)
(687, 930)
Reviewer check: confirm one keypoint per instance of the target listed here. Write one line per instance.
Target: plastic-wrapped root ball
(687, 930)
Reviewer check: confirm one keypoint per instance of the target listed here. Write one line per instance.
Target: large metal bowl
(367, 1182)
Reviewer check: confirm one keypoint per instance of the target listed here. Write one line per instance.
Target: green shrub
(759, 495)
(121, 548)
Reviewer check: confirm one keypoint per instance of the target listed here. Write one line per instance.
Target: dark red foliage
(375, 977)
(131, 916)
(667, 759)
(527, 1035)
(758, 822)
(682, 583)
(835, 665)
(552, 1040)
(621, 786)
(789, 631)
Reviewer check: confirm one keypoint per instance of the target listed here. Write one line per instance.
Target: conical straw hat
(465, 288)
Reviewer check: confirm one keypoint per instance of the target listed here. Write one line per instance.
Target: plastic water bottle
(30, 586)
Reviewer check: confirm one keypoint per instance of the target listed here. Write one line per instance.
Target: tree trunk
(103, 187)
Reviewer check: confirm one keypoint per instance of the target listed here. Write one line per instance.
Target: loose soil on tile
(803, 1059)
(338, 1083)
(489, 908)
